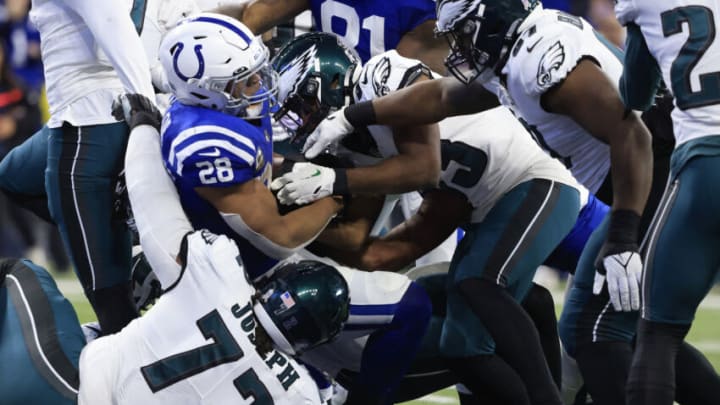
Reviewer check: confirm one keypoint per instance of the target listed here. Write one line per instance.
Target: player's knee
(539, 304)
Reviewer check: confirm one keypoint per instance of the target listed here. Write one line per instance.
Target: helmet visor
(248, 89)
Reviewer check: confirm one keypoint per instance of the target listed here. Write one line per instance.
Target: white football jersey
(550, 45)
(484, 155)
(195, 346)
(680, 36)
(87, 64)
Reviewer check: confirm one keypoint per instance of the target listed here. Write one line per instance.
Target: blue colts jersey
(371, 27)
(206, 148)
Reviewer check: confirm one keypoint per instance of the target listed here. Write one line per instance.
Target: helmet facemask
(246, 91)
(480, 40)
(302, 111)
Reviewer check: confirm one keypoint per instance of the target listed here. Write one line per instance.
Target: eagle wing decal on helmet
(295, 72)
(449, 12)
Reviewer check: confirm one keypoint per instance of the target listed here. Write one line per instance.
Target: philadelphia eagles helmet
(317, 73)
(480, 33)
(303, 305)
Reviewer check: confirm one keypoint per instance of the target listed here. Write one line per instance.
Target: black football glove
(136, 109)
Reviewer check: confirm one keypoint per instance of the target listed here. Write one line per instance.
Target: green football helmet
(303, 305)
(480, 33)
(317, 74)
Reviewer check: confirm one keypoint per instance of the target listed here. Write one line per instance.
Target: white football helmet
(216, 62)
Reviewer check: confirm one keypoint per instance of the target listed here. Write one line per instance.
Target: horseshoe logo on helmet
(201, 61)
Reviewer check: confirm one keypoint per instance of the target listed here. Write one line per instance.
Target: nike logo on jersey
(530, 48)
(317, 173)
(214, 153)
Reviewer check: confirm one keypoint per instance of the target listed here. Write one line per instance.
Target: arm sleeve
(160, 218)
(115, 33)
(641, 75)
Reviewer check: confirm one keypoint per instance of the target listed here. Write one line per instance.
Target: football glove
(619, 263)
(306, 183)
(327, 134)
(136, 110)
(146, 286)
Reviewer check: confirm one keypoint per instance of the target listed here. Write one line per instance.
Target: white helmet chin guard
(214, 61)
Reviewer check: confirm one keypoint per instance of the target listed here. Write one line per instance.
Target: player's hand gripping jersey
(206, 148)
(550, 45)
(196, 345)
(483, 155)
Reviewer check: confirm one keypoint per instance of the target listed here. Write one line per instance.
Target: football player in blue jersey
(369, 27)
(217, 147)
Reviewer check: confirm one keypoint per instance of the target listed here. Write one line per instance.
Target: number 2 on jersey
(223, 349)
(701, 26)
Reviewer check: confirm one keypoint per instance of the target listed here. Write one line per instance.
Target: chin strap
(272, 330)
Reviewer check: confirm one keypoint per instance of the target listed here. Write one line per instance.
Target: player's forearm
(396, 175)
(632, 165)
(389, 255)
(303, 225)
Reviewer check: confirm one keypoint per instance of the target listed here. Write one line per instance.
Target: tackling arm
(425, 103)
(114, 32)
(441, 212)
(416, 167)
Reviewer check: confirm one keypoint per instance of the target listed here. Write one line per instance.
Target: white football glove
(327, 134)
(623, 272)
(306, 183)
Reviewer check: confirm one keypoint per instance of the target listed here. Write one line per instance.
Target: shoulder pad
(387, 72)
(545, 54)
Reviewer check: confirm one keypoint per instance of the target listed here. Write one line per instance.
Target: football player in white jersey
(552, 71)
(677, 40)
(82, 146)
(515, 209)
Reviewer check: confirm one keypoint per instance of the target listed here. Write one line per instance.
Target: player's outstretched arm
(159, 217)
(262, 15)
(251, 210)
(423, 103)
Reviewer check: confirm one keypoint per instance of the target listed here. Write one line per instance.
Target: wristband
(624, 227)
(340, 186)
(361, 114)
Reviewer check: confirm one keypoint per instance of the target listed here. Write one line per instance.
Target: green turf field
(705, 334)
